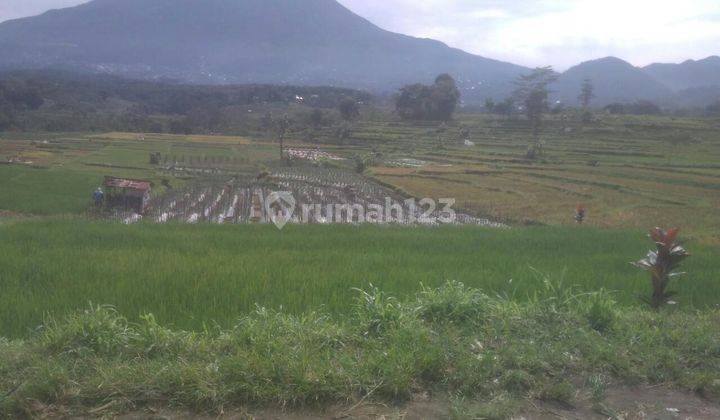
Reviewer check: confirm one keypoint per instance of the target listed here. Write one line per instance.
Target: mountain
(308, 42)
(615, 80)
(696, 97)
(687, 75)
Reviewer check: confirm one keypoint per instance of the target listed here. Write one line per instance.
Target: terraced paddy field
(632, 172)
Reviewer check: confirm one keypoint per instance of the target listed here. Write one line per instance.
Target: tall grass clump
(453, 303)
(99, 330)
(488, 354)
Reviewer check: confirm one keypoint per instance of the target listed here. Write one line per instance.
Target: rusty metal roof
(130, 184)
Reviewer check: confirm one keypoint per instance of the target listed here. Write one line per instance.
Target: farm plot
(629, 172)
(312, 196)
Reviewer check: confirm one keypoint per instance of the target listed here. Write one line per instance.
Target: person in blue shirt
(99, 196)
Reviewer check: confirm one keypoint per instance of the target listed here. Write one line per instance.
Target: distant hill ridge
(308, 42)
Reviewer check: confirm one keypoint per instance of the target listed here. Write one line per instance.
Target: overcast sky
(532, 32)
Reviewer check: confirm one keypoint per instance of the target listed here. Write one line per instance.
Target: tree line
(60, 101)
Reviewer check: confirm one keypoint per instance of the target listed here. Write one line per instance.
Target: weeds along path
(450, 352)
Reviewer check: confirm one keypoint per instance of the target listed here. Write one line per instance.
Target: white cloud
(559, 32)
(488, 14)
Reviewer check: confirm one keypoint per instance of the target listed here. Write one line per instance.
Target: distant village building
(127, 194)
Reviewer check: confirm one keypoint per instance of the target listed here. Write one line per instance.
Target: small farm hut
(127, 194)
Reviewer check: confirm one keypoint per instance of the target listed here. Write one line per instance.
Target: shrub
(562, 392)
(517, 381)
(598, 387)
(99, 330)
(600, 312)
(452, 303)
(662, 264)
(376, 312)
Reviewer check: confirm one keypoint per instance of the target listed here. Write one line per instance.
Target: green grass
(66, 168)
(194, 276)
(45, 191)
(490, 356)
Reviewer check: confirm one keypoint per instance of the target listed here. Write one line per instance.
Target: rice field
(216, 139)
(55, 174)
(193, 276)
(628, 171)
(631, 173)
(319, 196)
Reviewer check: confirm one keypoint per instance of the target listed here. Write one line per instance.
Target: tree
(429, 103)
(532, 91)
(181, 126)
(506, 107)
(349, 109)
(205, 119)
(464, 134)
(414, 102)
(6, 112)
(282, 126)
(267, 121)
(441, 132)
(615, 108)
(445, 97)
(587, 93)
(713, 110)
(489, 105)
(316, 118)
(643, 107)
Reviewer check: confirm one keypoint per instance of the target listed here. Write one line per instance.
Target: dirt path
(624, 403)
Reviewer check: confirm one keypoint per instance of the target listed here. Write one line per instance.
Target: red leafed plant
(662, 264)
(580, 213)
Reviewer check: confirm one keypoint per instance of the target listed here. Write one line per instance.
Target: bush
(517, 381)
(99, 330)
(376, 312)
(562, 392)
(600, 312)
(636, 108)
(452, 303)
(662, 264)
